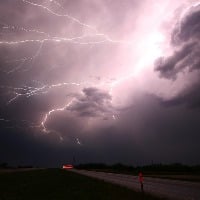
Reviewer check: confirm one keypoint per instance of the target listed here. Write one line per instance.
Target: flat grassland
(57, 184)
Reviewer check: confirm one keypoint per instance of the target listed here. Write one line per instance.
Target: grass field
(56, 184)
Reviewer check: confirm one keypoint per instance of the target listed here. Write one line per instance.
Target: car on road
(68, 166)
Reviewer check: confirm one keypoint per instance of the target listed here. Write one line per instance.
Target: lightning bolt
(45, 129)
(151, 43)
(27, 91)
(78, 141)
(89, 36)
(94, 37)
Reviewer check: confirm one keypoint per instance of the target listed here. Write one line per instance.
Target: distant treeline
(4, 165)
(7, 166)
(175, 168)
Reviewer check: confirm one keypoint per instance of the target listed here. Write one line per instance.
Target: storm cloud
(93, 103)
(185, 59)
(77, 78)
(185, 41)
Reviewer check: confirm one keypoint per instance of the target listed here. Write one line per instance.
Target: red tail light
(67, 167)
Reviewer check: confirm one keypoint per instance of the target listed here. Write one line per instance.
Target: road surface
(170, 189)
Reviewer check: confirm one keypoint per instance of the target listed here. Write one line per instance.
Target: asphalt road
(170, 189)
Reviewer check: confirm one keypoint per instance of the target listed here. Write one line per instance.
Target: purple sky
(104, 81)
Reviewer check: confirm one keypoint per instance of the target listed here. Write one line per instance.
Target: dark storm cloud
(55, 63)
(186, 57)
(185, 40)
(148, 131)
(93, 103)
(141, 133)
(188, 29)
(189, 97)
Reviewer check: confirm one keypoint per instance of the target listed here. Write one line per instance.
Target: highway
(170, 189)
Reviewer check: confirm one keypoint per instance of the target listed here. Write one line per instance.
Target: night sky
(99, 81)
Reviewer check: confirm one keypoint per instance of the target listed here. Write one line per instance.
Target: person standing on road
(141, 179)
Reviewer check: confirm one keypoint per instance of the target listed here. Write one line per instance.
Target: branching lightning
(28, 91)
(45, 129)
(91, 36)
